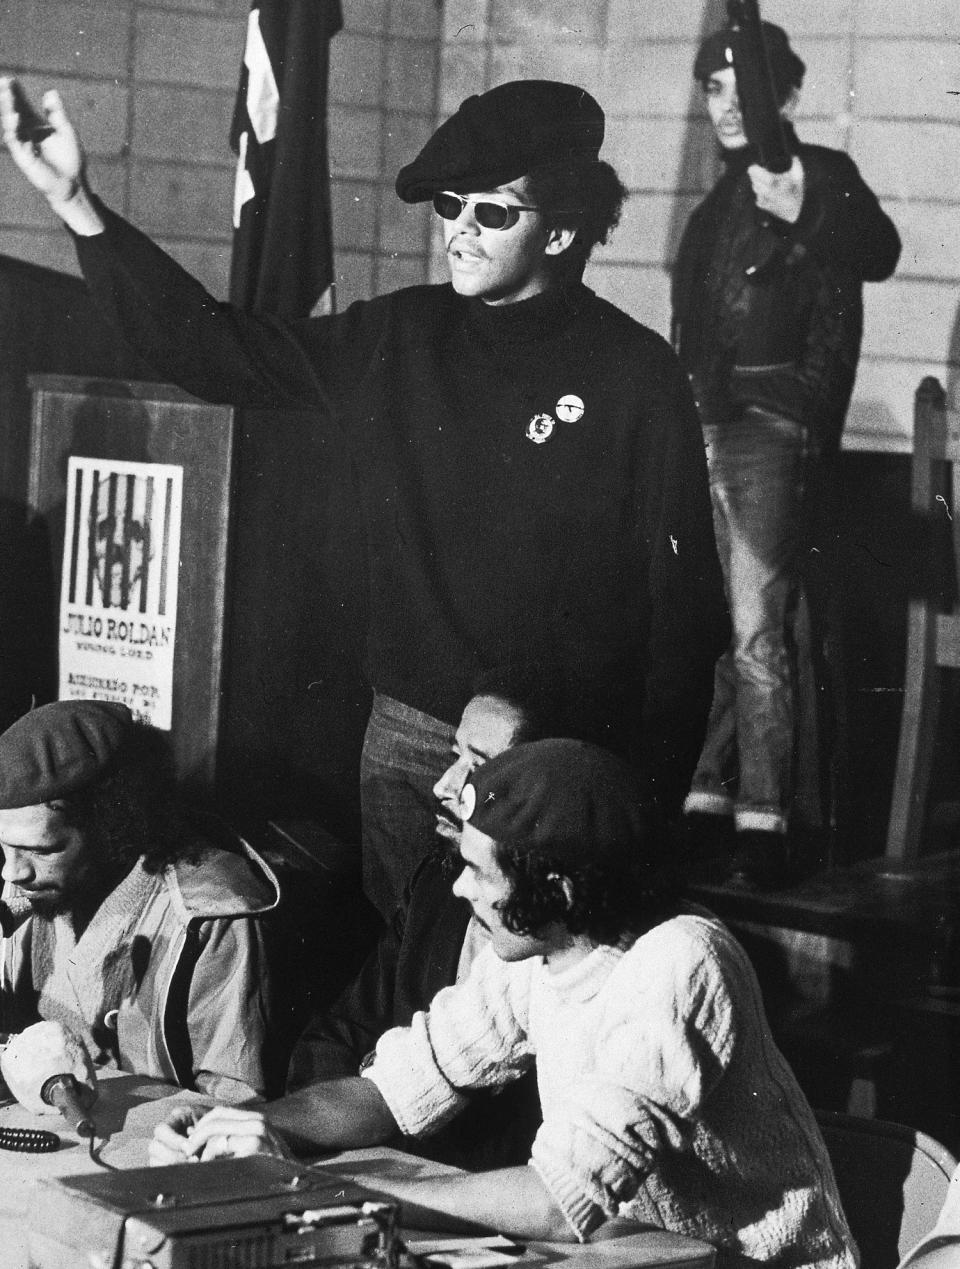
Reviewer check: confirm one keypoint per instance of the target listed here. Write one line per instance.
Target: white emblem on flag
(243, 189)
(263, 95)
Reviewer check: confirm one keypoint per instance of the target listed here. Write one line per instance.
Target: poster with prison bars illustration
(118, 598)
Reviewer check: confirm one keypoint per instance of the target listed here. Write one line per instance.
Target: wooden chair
(892, 1181)
(933, 622)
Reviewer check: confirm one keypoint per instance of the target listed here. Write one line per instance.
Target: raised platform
(859, 898)
(860, 969)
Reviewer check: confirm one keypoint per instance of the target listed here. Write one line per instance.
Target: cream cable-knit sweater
(664, 1097)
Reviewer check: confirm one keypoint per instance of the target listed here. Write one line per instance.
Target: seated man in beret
(664, 1097)
(118, 919)
(532, 471)
(432, 941)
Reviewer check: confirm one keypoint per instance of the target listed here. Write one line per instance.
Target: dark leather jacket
(771, 314)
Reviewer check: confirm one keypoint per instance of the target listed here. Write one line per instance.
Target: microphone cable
(94, 1151)
(29, 1140)
(40, 1141)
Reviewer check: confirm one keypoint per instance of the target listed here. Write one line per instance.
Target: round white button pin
(569, 409)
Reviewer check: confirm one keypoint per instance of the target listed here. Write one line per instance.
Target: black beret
(565, 799)
(502, 135)
(57, 749)
(788, 69)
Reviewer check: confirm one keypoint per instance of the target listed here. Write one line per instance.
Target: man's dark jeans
(757, 466)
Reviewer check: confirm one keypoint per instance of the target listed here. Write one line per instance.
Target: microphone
(47, 1066)
(72, 1099)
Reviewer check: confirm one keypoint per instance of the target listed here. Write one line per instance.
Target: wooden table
(126, 1112)
(129, 1108)
(617, 1245)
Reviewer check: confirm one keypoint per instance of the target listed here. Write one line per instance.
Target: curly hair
(132, 811)
(620, 896)
(585, 195)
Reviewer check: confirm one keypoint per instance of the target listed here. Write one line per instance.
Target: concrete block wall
(383, 103)
(883, 82)
(151, 89)
(151, 85)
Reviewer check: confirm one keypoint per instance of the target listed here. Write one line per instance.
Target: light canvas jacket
(168, 980)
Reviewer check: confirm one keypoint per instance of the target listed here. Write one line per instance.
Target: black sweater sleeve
(335, 1042)
(212, 349)
(417, 954)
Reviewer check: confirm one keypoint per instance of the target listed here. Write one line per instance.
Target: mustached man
(532, 476)
(767, 321)
(664, 1097)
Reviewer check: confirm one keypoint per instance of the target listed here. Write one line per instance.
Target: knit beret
(787, 68)
(501, 135)
(565, 799)
(57, 749)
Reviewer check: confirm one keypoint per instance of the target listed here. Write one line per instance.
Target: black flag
(282, 250)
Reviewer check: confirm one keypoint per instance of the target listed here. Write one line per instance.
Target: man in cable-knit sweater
(664, 1097)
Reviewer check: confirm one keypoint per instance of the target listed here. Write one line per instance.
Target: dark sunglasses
(490, 213)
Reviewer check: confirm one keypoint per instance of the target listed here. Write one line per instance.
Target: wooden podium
(135, 483)
(268, 701)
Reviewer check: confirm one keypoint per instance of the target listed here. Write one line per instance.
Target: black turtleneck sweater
(590, 554)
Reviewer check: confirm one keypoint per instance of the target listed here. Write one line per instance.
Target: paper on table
(491, 1251)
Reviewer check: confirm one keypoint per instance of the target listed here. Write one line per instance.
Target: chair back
(933, 618)
(892, 1180)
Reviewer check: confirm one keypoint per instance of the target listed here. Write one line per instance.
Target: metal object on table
(261, 1211)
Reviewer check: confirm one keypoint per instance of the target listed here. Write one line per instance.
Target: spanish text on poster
(118, 596)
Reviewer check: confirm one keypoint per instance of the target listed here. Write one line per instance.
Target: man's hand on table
(330, 1115)
(189, 1135)
(513, 1200)
(348, 1113)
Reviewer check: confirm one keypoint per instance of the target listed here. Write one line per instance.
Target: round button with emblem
(540, 428)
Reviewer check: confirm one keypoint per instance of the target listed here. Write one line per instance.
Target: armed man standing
(767, 321)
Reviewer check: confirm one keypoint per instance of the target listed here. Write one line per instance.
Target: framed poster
(134, 481)
(118, 586)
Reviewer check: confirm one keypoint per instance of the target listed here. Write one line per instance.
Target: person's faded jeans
(757, 466)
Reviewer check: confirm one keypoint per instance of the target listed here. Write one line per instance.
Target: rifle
(762, 122)
(768, 338)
